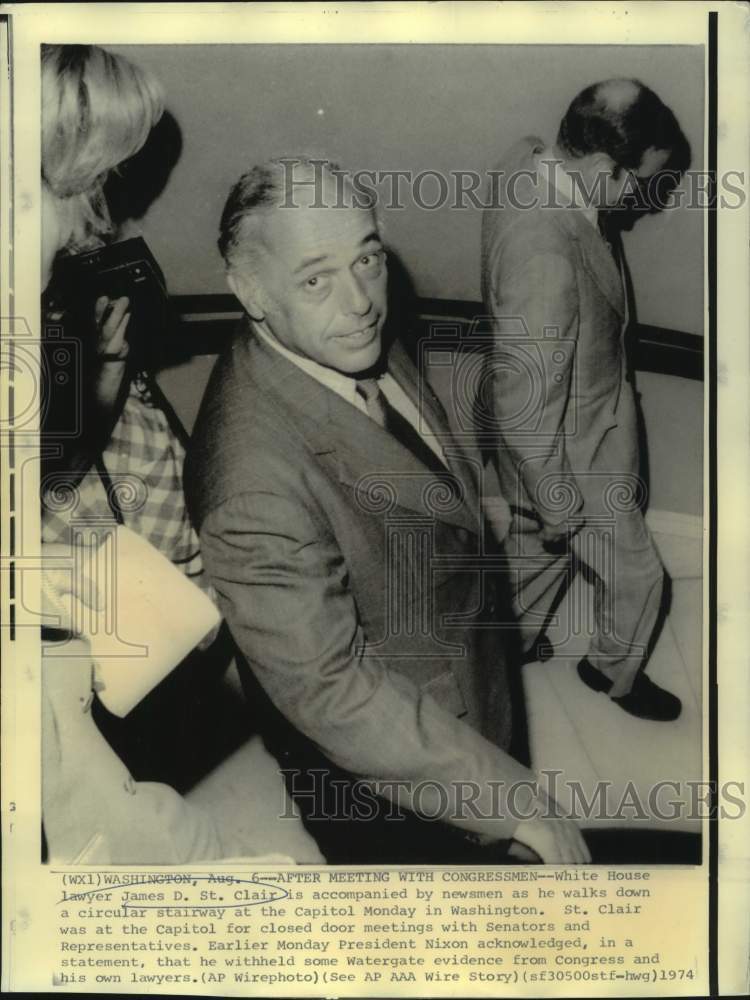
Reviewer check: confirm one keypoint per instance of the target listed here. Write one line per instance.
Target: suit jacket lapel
(430, 408)
(366, 456)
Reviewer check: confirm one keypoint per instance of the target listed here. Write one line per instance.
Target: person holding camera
(126, 425)
(107, 795)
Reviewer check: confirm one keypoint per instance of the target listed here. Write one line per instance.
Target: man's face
(321, 282)
(619, 188)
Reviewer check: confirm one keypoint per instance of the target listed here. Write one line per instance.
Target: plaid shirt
(139, 482)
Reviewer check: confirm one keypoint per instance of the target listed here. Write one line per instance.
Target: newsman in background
(563, 404)
(334, 519)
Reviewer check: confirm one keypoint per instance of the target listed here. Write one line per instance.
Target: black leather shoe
(645, 700)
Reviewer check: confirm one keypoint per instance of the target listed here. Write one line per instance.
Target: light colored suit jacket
(563, 407)
(350, 577)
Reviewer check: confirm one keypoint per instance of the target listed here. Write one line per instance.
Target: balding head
(618, 94)
(623, 119)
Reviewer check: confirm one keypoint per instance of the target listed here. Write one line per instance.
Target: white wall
(406, 107)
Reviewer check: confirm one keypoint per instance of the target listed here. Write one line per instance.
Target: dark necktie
(388, 417)
(602, 226)
(609, 235)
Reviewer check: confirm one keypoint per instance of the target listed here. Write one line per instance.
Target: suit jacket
(349, 576)
(564, 410)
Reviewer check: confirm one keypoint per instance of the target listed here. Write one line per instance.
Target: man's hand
(556, 538)
(551, 839)
(551, 842)
(498, 515)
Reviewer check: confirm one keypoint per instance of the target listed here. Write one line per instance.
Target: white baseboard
(679, 539)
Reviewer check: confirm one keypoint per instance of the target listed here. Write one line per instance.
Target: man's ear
(247, 292)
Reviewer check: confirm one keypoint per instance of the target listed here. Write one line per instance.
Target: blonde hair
(97, 111)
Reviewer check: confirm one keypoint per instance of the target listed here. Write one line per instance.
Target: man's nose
(355, 299)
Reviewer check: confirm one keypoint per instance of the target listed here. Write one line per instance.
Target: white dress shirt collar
(343, 385)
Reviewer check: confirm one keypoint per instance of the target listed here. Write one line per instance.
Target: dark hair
(623, 118)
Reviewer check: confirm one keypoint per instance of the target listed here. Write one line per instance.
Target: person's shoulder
(238, 410)
(523, 222)
(242, 437)
(223, 391)
(538, 231)
(515, 192)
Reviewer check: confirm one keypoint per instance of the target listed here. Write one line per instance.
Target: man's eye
(317, 283)
(371, 259)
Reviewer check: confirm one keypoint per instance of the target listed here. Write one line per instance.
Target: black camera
(127, 268)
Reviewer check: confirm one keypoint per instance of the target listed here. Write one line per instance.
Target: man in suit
(342, 532)
(563, 406)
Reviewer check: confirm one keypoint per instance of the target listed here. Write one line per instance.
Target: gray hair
(268, 185)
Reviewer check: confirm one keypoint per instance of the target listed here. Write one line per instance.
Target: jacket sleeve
(283, 587)
(535, 325)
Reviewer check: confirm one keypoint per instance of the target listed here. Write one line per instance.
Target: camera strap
(109, 490)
